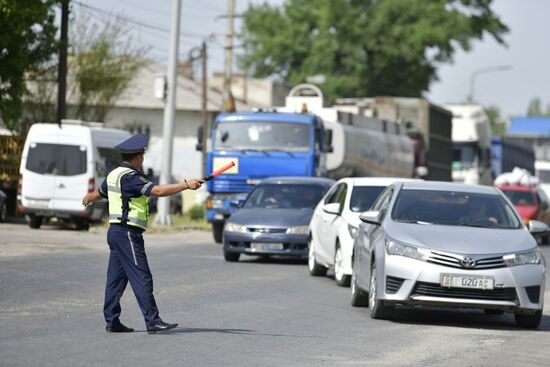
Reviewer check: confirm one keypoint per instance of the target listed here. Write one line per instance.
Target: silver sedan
(451, 245)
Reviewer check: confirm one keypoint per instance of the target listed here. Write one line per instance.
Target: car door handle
(61, 186)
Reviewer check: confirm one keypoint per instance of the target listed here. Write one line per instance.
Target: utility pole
(163, 214)
(62, 67)
(204, 107)
(228, 55)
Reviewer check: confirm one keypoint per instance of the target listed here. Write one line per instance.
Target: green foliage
(534, 108)
(364, 48)
(27, 39)
(196, 212)
(498, 126)
(105, 62)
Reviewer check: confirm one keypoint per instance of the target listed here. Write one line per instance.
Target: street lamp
(484, 71)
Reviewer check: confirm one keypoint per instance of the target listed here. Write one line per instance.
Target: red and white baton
(219, 171)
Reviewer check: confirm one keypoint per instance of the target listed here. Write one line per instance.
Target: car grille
(267, 230)
(393, 284)
(436, 290)
(454, 261)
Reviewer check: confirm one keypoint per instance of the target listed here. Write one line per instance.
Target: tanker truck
(302, 138)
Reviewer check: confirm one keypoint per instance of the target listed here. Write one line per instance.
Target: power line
(137, 22)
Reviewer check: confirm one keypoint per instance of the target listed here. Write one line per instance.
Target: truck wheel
(528, 321)
(231, 257)
(35, 222)
(217, 232)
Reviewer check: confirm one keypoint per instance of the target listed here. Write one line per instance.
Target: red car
(526, 200)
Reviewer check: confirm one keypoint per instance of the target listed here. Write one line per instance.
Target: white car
(335, 222)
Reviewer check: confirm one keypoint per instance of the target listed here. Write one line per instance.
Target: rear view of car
(274, 219)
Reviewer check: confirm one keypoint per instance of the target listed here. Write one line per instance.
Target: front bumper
(409, 281)
(293, 244)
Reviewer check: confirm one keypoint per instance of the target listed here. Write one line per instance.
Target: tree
(534, 108)
(498, 127)
(27, 39)
(105, 61)
(364, 48)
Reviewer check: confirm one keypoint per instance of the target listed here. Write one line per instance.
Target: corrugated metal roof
(532, 126)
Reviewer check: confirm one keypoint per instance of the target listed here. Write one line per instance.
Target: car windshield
(56, 159)
(264, 135)
(454, 208)
(362, 197)
(294, 196)
(520, 197)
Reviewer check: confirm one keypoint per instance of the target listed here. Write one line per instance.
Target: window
(109, 159)
(454, 208)
(521, 197)
(277, 196)
(262, 135)
(334, 194)
(464, 155)
(362, 197)
(56, 159)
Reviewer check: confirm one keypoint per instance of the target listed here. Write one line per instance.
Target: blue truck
(262, 144)
(508, 153)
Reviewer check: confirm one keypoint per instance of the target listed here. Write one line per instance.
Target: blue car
(274, 218)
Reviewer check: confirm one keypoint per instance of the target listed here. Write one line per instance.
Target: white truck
(542, 169)
(471, 144)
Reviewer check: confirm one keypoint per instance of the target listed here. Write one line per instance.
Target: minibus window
(56, 159)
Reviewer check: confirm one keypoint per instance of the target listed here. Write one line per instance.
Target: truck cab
(261, 144)
(471, 136)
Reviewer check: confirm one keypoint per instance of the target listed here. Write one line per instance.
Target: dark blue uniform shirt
(133, 185)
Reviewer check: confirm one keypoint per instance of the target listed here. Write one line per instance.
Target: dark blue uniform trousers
(128, 262)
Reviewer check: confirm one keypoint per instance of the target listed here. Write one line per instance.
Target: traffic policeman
(127, 190)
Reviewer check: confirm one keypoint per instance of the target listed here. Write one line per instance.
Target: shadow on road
(463, 318)
(182, 330)
(273, 260)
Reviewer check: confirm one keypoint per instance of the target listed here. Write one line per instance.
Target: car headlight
(523, 259)
(298, 230)
(352, 230)
(234, 227)
(399, 249)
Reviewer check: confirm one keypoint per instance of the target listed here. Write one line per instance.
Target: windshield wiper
(474, 225)
(283, 151)
(414, 221)
(254, 150)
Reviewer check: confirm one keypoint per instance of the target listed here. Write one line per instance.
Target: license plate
(467, 281)
(258, 246)
(33, 203)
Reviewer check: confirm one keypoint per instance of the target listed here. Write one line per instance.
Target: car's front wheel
(359, 298)
(527, 321)
(377, 308)
(342, 279)
(231, 256)
(315, 269)
(3, 212)
(217, 232)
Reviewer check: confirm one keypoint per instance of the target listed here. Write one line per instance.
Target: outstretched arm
(170, 189)
(91, 197)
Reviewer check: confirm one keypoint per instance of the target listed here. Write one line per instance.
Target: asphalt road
(253, 313)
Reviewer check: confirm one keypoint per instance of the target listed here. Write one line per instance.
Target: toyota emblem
(467, 262)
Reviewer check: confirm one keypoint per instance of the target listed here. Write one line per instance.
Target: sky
(526, 58)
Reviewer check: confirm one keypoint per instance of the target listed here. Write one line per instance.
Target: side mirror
(328, 148)
(332, 208)
(199, 139)
(371, 217)
(236, 203)
(536, 227)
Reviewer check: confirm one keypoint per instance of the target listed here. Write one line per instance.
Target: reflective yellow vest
(134, 212)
